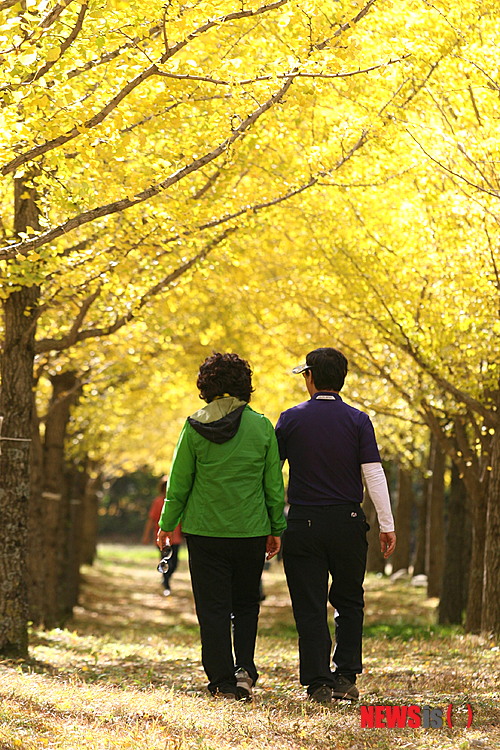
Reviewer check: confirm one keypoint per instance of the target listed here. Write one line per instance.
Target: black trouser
(172, 565)
(225, 576)
(319, 541)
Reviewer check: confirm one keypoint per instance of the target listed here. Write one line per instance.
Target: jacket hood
(219, 420)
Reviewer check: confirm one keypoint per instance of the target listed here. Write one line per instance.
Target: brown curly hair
(225, 374)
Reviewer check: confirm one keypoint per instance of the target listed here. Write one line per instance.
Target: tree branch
(494, 193)
(54, 14)
(64, 46)
(24, 247)
(494, 263)
(421, 85)
(108, 56)
(71, 336)
(45, 23)
(236, 16)
(249, 208)
(475, 166)
(297, 74)
(474, 106)
(461, 396)
(256, 207)
(76, 335)
(493, 84)
(207, 185)
(407, 346)
(448, 445)
(343, 27)
(152, 70)
(77, 130)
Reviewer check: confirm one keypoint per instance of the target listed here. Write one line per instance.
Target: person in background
(151, 531)
(330, 448)
(227, 488)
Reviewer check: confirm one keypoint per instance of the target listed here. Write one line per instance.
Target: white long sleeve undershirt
(376, 484)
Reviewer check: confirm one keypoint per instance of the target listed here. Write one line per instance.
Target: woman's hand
(163, 538)
(273, 545)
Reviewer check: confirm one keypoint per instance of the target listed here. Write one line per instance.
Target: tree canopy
(258, 176)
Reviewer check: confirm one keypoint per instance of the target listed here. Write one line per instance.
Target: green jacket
(226, 475)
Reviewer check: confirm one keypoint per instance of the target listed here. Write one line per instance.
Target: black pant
(172, 565)
(319, 541)
(225, 576)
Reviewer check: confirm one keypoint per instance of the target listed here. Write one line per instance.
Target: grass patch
(126, 673)
(407, 631)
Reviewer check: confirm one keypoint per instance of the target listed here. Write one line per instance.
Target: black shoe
(242, 694)
(232, 693)
(344, 689)
(322, 694)
(244, 682)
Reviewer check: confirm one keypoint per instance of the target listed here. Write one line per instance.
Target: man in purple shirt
(330, 448)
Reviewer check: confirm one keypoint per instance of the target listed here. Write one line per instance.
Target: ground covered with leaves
(126, 673)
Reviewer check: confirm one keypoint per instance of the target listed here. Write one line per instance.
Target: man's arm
(387, 543)
(376, 484)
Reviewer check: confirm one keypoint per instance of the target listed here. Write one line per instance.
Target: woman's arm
(274, 490)
(180, 481)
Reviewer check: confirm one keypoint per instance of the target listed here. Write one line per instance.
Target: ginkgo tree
(142, 140)
(404, 273)
(125, 159)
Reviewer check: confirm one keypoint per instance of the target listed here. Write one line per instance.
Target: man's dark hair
(328, 367)
(225, 374)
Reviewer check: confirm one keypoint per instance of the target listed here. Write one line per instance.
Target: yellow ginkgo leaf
(52, 54)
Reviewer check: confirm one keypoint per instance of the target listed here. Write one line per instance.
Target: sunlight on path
(126, 673)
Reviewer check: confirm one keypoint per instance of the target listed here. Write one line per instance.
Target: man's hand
(387, 543)
(163, 538)
(273, 545)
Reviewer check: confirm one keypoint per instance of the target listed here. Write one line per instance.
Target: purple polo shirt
(325, 442)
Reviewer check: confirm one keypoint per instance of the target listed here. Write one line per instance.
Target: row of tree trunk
(434, 532)
(63, 512)
(433, 521)
(441, 530)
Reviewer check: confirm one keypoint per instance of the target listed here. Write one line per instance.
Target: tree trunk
(401, 557)
(76, 478)
(475, 589)
(463, 452)
(56, 497)
(490, 619)
(16, 409)
(457, 554)
(36, 578)
(88, 545)
(435, 521)
(420, 554)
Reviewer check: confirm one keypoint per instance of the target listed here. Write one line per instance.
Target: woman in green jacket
(226, 488)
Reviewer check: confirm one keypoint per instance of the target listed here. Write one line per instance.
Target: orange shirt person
(151, 531)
